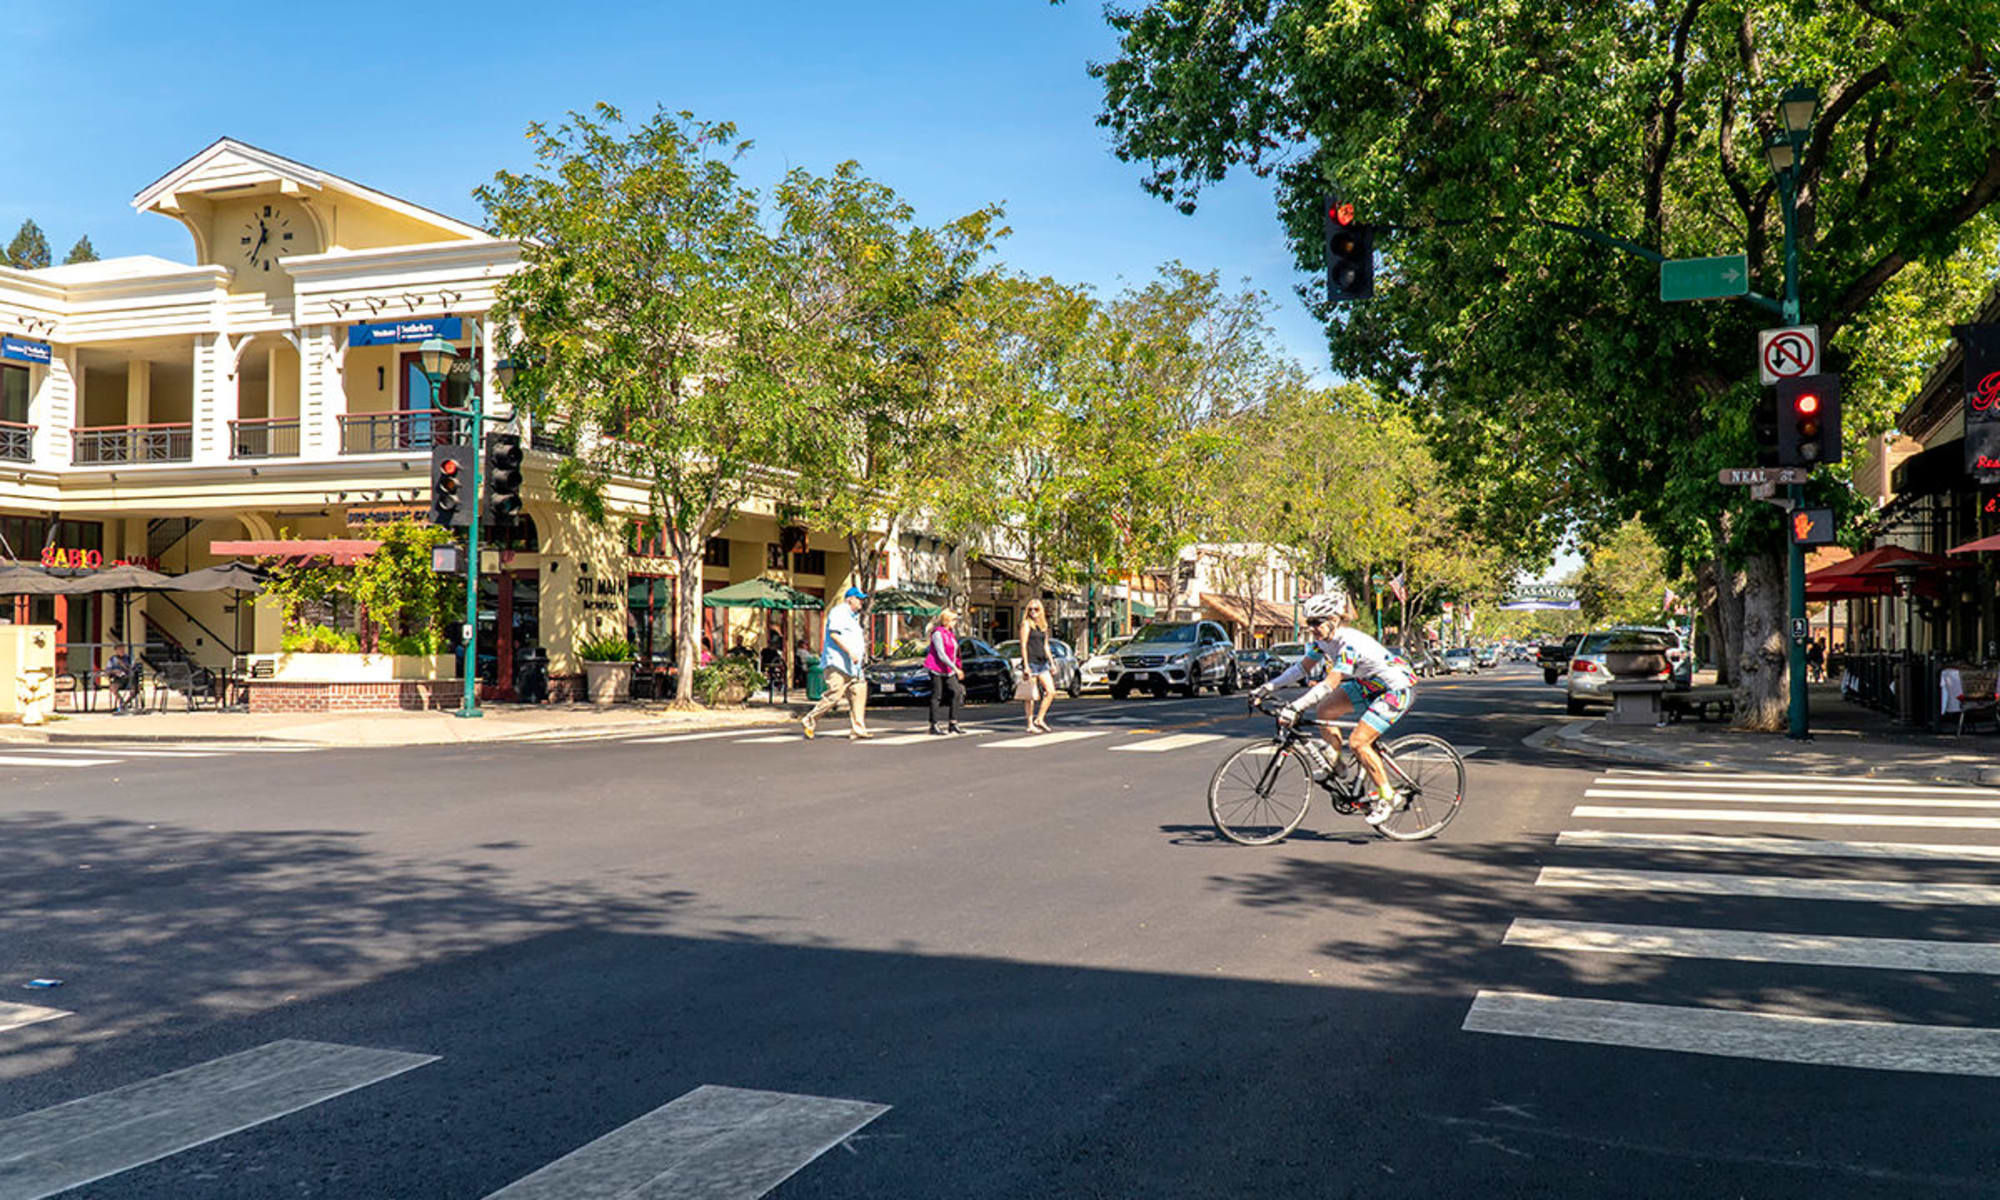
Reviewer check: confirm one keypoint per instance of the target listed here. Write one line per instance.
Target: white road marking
(1724, 844)
(1469, 751)
(1784, 782)
(1776, 887)
(1044, 739)
(715, 1143)
(17, 760)
(13, 1016)
(1743, 945)
(687, 737)
(772, 739)
(123, 752)
(1776, 1037)
(1176, 741)
(909, 739)
(56, 1149)
(1779, 817)
(1757, 798)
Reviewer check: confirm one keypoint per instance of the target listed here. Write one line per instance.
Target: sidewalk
(501, 722)
(1847, 740)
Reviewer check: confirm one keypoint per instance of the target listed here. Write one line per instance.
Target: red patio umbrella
(1985, 543)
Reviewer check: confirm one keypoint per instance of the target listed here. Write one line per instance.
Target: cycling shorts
(1375, 707)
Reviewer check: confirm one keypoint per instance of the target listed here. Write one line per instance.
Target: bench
(1709, 703)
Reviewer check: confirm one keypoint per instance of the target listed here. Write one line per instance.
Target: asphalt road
(1040, 959)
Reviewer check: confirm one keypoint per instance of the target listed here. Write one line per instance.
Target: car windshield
(1009, 649)
(1595, 643)
(910, 648)
(1161, 632)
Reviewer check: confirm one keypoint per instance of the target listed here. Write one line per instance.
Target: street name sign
(1704, 278)
(1788, 353)
(1750, 476)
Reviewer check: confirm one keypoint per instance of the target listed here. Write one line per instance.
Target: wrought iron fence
(382, 433)
(103, 444)
(275, 438)
(17, 442)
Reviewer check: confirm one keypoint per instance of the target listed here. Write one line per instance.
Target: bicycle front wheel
(1260, 793)
(1429, 776)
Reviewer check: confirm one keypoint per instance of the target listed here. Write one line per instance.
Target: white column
(321, 396)
(214, 398)
(138, 391)
(53, 409)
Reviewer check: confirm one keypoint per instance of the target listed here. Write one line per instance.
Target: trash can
(815, 678)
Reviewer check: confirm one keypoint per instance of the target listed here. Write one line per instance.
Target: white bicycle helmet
(1328, 606)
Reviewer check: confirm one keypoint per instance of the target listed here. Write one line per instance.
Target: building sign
(1981, 346)
(369, 514)
(383, 333)
(22, 350)
(598, 593)
(59, 556)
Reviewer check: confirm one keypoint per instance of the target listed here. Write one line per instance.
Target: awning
(1258, 614)
(1007, 568)
(344, 552)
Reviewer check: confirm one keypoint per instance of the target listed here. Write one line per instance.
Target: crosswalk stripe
(1469, 751)
(1771, 887)
(14, 1016)
(1779, 817)
(717, 1143)
(21, 760)
(1725, 844)
(56, 1149)
(771, 740)
(1777, 1037)
(667, 739)
(1176, 741)
(1760, 779)
(1755, 798)
(1827, 786)
(122, 752)
(1743, 945)
(1044, 739)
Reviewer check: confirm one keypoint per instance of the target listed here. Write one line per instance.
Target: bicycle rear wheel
(1429, 775)
(1260, 793)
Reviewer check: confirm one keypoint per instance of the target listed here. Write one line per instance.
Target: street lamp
(1797, 109)
(440, 360)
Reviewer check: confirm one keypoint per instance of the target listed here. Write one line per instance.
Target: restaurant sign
(64, 558)
(383, 333)
(1981, 346)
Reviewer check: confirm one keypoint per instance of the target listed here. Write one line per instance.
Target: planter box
(359, 668)
(608, 682)
(1635, 664)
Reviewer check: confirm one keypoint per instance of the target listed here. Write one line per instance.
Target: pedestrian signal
(1812, 526)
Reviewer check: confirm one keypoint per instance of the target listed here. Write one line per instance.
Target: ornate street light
(1797, 108)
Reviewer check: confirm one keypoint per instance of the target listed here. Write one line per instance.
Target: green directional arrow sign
(1704, 278)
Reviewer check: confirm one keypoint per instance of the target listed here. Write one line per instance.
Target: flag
(1396, 589)
(1669, 602)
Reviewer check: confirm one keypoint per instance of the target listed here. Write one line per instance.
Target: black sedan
(1255, 667)
(901, 673)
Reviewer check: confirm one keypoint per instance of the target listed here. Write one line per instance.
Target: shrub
(608, 649)
(711, 681)
(427, 642)
(319, 639)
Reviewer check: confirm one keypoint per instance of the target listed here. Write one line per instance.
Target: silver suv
(1182, 655)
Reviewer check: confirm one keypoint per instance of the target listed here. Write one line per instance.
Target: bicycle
(1261, 792)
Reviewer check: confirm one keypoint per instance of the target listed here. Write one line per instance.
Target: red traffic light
(448, 467)
(1341, 214)
(1807, 404)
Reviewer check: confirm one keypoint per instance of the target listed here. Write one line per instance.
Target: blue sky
(954, 104)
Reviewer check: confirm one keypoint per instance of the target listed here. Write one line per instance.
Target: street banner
(1981, 346)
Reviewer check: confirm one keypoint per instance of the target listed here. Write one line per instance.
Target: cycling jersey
(1355, 656)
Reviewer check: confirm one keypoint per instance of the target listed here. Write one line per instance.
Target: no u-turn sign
(1787, 353)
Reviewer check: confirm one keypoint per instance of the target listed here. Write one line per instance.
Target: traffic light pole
(1798, 722)
(468, 704)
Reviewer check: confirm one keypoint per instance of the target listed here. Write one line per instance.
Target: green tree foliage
(1624, 580)
(394, 588)
(29, 251)
(647, 316)
(1569, 392)
(82, 252)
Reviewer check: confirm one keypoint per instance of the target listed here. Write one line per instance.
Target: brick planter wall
(271, 695)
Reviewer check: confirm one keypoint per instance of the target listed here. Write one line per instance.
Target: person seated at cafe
(121, 675)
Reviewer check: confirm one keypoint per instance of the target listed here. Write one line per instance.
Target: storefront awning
(1007, 568)
(344, 552)
(1258, 614)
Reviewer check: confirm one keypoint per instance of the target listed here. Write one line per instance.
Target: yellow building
(151, 409)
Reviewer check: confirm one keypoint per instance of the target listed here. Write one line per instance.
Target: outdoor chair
(1975, 697)
(179, 676)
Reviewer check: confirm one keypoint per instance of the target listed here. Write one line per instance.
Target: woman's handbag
(1025, 690)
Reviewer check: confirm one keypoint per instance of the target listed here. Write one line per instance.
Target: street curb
(662, 726)
(1576, 738)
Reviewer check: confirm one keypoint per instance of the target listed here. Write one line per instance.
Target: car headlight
(1179, 660)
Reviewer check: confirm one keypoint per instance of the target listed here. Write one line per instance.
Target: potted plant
(728, 682)
(607, 669)
(1636, 656)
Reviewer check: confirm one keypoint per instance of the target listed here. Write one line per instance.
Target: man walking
(840, 658)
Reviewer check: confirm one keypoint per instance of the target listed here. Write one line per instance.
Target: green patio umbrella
(896, 600)
(765, 594)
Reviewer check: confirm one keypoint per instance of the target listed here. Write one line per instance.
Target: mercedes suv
(1183, 656)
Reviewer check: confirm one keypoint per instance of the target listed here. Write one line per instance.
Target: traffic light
(1350, 253)
(1809, 420)
(503, 477)
(1764, 428)
(451, 471)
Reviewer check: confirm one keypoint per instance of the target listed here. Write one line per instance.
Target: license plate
(1143, 676)
(886, 686)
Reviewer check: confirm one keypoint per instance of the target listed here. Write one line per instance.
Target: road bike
(1261, 792)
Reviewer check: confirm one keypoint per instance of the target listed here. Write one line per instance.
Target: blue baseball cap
(855, 594)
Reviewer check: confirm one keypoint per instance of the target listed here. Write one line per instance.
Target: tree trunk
(687, 604)
(1729, 585)
(1761, 683)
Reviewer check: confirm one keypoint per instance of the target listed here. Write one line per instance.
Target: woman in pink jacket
(947, 675)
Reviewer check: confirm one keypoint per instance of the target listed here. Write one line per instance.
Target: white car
(1097, 668)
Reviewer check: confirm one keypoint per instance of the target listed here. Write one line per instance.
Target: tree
(1570, 394)
(29, 251)
(1624, 580)
(645, 319)
(82, 252)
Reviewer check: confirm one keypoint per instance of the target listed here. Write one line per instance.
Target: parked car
(1284, 654)
(1067, 668)
(1589, 683)
(1254, 667)
(1096, 669)
(901, 675)
(1554, 657)
(1183, 655)
(1423, 664)
(1486, 656)
(1459, 661)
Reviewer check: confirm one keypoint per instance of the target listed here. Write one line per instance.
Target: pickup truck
(1553, 658)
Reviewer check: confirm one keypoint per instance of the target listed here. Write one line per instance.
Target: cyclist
(1362, 677)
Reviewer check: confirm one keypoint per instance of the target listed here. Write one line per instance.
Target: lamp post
(1796, 110)
(440, 360)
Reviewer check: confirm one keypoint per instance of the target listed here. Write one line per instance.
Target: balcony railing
(17, 442)
(383, 433)
(277, 437)
(102, 444)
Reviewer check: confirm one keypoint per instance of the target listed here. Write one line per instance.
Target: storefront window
(14, 395)
(649, 618)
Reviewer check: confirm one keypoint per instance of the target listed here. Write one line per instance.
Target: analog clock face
(268, 232)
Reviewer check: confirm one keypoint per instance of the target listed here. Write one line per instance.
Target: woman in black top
(1040, 665)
